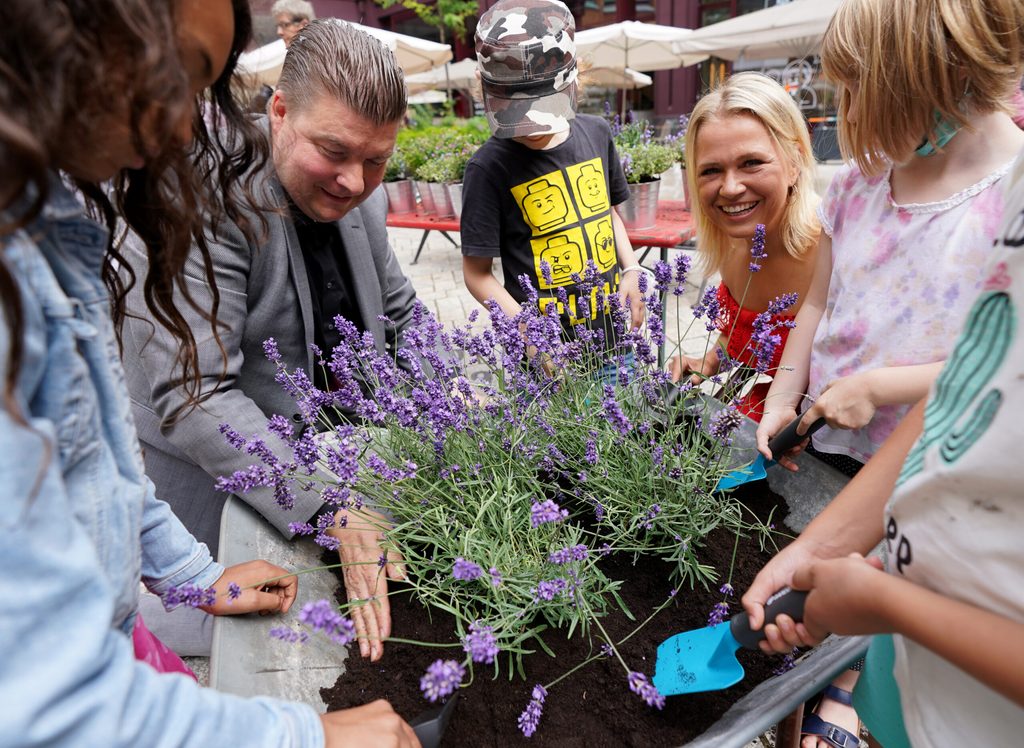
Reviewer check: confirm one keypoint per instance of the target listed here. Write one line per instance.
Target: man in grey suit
(332, 125)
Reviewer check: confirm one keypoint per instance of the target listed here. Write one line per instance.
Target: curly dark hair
(61, 61)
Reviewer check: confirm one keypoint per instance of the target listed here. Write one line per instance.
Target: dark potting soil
(593, 706)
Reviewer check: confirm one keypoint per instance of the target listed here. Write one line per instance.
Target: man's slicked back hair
(330, 57)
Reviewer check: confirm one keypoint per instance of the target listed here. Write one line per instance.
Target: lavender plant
(509, 469)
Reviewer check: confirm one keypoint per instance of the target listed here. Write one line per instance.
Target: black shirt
(528, 206)
(330, 285)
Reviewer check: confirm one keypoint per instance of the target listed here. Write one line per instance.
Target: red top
(738, 324)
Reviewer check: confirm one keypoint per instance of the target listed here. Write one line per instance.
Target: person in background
(321, 251)
(749, 162)
(908, 227)
(541, 191)
(112, 103)
(291, 17)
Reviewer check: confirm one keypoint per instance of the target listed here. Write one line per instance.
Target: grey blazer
(264, 294)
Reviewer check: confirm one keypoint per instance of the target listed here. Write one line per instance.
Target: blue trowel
(781, 443)
(705, 659)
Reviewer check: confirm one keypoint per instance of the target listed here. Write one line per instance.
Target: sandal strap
(838, 694)
(835, 736)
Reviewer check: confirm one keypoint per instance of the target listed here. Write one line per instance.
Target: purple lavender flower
(285, 634)
(530, 718)
(662, 276)
(569, 553)
(466, 571)
(709, 308)
(481, 643)
(270, 350)
(652, 513)
(591, 453)
(496, 578)
(787, 664)
(757, 251)
(545, 272)
(321, 616)
(441, 679)
(724, 422)
(639, 685)
(718, 614)
(606, 650)
(549, 589)
(682, 270)
(726, 589)
(189, 595)
(548, 511)
(613, 411)
(234, 591)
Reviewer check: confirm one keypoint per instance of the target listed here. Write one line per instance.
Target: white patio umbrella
(611, 78)
(457, 75)
(791, 30)
(631, 44)
(414, 55)
(429, 96)
(262, 66)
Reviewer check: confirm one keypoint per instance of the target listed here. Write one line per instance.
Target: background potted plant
(397, 184)
(644, 160)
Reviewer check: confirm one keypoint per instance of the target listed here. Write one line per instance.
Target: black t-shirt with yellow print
(527, 206)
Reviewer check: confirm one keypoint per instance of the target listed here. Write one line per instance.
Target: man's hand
(366, 568)
(261, 589)
(374, 725)
(631, 298)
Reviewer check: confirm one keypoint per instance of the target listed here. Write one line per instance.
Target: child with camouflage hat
(540, 193)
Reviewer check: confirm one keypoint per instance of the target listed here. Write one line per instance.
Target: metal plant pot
(442, 204)
(641, 210)
(426, 198)
(455, 196)
(401, 196)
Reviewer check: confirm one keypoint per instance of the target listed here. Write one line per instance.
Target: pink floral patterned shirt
(903, 278)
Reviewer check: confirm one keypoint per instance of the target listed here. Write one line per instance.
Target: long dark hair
(61, 61)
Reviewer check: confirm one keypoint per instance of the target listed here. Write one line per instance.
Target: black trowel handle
(785, 601)
(786, 439)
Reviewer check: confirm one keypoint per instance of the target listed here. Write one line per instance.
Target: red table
(673, 228)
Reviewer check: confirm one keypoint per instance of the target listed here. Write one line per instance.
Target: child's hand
(630, 296)
(846, 403)
(772, 422)
(784, 633)
(846, 596)
(261, 590)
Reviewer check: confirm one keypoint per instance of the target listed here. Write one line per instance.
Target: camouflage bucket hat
(526, 50)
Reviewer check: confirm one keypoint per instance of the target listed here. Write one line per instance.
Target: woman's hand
(265, 588)
(701, 368)
(366, 567)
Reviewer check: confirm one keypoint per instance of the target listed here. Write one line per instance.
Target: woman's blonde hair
(902, 62)
(761, 97)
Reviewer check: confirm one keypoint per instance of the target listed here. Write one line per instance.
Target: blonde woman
(749, 162)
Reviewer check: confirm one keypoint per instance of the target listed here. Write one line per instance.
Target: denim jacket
(80, 525)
